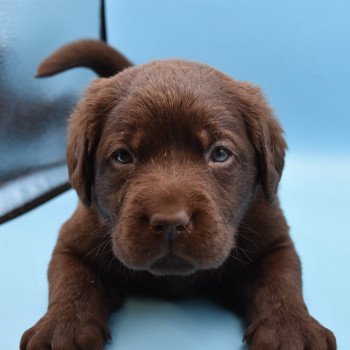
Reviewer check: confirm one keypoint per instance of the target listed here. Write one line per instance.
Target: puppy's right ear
(85, 127)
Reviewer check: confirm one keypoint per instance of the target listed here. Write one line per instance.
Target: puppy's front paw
(65, 331)
(289, 332)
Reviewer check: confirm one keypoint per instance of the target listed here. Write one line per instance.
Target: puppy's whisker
(110, 264)
(249, 240)
(93, 250)
(249, 229)
(245, 253)
(187, 230)
(97, 248)
(237, 258)
(103, 250)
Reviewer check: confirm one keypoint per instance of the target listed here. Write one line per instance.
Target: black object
(33, 113)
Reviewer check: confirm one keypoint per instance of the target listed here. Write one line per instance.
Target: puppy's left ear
(266, 135)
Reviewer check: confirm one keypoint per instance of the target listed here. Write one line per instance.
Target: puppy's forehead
(178, 100)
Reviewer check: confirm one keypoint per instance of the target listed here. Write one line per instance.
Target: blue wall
(297, 51)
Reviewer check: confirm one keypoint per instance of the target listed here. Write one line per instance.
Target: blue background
(299, 53)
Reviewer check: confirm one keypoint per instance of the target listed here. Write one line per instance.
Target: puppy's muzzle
(169, 225)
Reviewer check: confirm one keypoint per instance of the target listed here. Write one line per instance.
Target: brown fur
(236, 247)
(98, 56)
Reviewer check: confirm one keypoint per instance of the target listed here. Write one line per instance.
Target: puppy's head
(171, 154)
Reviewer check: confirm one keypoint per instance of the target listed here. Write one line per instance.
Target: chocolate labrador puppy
(177, 169)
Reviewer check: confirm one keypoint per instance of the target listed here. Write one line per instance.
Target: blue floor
(315, 195)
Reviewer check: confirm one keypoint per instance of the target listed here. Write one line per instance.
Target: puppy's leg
(276, 311)
(78, 309)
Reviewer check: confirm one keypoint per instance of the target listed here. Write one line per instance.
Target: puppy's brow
(135, 139)
(213, 133)
(116, 138)
(204, 138)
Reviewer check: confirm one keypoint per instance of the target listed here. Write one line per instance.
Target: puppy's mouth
(171, 264)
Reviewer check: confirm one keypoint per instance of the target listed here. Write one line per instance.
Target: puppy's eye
(219, 154)
(122, 156)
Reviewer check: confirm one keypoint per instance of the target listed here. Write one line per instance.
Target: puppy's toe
(31, 340)
(320, 338)
(331, 341)
(90, 339)
(264, 339)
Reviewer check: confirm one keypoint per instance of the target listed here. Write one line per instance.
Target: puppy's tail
(93, 54)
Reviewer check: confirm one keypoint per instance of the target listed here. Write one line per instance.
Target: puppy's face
(175, 167)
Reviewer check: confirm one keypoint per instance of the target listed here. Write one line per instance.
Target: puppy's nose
(170, 225)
